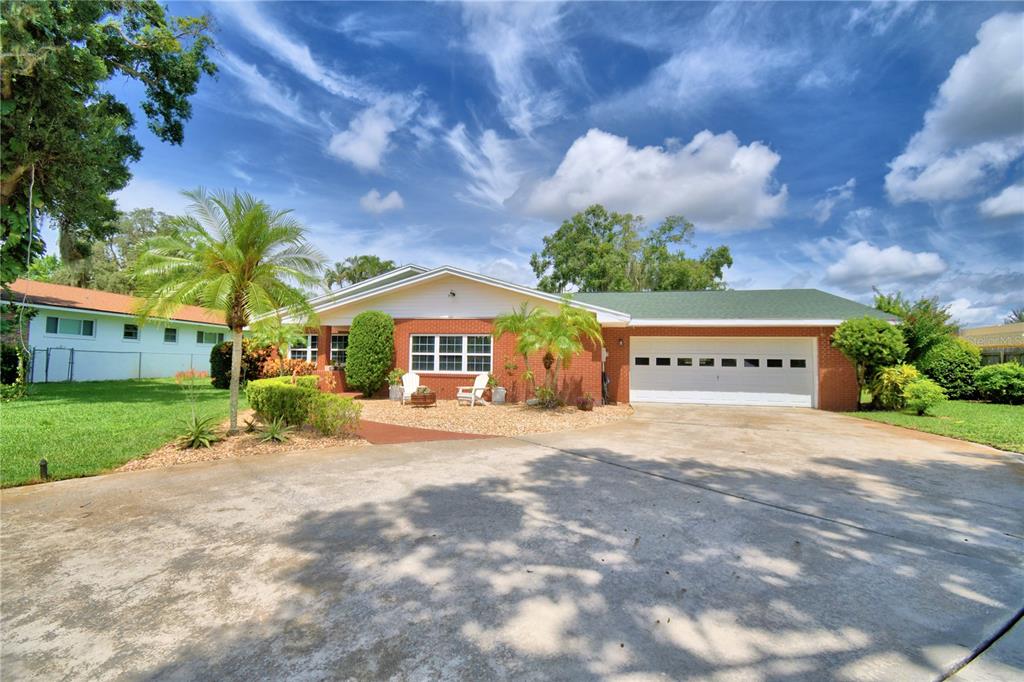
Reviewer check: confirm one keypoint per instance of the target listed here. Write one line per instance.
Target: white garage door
(723, 371)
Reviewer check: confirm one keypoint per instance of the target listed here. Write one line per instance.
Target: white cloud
(975, 128)
(1008, 202)
(729, 52)
(262, 90)
(714, 181)
(833, 196)
(965, 312)
(296, 55)
(373, 202)
(512, 38)
(879, 17)
(489, 163)
(863, 265)
(368, 136)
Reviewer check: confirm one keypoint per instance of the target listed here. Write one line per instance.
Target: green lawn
(1000, 426)
(89, 427)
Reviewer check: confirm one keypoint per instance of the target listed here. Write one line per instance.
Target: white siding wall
(432, 300)
(107, 355)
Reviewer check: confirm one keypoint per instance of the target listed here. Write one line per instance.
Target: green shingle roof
(763, 304)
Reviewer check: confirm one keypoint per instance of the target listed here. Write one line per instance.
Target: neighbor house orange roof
(58, 295)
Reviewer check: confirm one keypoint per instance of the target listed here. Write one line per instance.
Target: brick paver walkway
(380, 434)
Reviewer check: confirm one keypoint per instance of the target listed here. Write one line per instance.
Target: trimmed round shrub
(253, 358)
(887, 386)
(923, 394)
(952, 364)
(870, 344)
(279, 398)
(371, 351)
(332, 414)
(1003, 383)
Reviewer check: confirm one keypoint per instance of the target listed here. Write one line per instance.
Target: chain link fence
(73, 364)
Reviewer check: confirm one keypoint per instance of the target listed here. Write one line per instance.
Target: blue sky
(839, 146)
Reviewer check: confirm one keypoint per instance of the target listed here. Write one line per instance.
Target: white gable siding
(432, 300)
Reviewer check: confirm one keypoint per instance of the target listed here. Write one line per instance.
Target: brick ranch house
(767, 347)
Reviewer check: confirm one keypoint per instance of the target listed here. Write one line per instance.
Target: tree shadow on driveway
(596, 564)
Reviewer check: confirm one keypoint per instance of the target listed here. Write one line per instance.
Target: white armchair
(473, 394)
(410, 382)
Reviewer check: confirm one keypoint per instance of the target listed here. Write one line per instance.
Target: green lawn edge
(1000, 426)
(90, 428)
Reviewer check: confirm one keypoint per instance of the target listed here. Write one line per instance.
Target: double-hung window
(131, 332)
(453, 353)
(170, 335)
(209, 337)
(70, 326)
(339, 349)
(307, 352)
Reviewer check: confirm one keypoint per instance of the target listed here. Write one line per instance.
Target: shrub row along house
(720, 347)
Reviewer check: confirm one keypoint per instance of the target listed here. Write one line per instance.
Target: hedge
(952, 364)
(279, 398)
(371, 351)
(253, 358)
(332, 414)
(1003, 383)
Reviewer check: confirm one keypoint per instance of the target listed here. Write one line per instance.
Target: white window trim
(177, 336)
(330, 350)
(307, 350)
(203, 342)
(70, 336)
(465, 355)
(138, 333)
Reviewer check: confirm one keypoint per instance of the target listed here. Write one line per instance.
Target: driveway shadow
(597, 564)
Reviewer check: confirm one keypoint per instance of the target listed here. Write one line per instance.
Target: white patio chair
(410, 382)
(473, 394)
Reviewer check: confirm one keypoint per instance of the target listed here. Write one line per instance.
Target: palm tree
(1016, 315)
(234, 254)
(355, 269)
(560, 337)
(275, 333)
(516, 323)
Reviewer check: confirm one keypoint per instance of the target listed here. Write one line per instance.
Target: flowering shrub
(190, 375)
(271, 368)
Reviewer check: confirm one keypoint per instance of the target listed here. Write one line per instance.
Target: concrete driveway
(687, 542)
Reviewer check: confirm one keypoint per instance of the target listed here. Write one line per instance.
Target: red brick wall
(837, 380)
(582, 376)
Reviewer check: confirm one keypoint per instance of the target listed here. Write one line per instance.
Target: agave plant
(276, 431)
(200, 432)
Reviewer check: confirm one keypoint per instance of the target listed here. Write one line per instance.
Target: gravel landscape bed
(242, 445)
(492, 420)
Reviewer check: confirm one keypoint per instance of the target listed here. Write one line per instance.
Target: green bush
(13, 367)
(332, 414)
(887, 386)
(371, 351)
(253, 358)
(1002, 383)
(952, 364)
(922, 394)
(281, 399)
(870, 344)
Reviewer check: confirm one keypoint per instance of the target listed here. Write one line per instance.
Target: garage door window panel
(773, 363)
(798, 364)
(751, 362)
(728, 362)
(663, 362)
(641, 362)
(684, 362)
(707, 362)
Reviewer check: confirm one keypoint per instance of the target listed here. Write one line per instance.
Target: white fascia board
(358, 286)
(604, 314)
(91, 311)
(643, 322)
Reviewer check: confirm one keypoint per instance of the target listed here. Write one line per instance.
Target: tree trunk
(236, 375)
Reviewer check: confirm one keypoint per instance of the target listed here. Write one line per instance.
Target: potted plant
(423, 397)
(395, 383)
(585, 402)
(497, 392)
